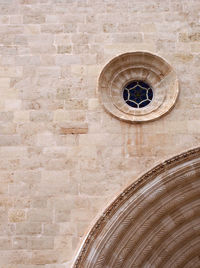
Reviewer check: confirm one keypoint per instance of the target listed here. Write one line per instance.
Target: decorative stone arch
(155, 222)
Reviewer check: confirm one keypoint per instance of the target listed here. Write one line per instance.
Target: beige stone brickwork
(63, 158)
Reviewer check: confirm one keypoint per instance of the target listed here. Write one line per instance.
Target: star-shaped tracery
(137, 94)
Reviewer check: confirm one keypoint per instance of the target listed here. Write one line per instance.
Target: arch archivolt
(152, 223)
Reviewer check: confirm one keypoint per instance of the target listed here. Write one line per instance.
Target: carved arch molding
(155, 222)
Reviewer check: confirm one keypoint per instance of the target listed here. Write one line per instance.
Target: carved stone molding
(153, 222)
(143, 66)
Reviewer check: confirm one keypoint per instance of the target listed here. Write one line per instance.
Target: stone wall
(63, 157)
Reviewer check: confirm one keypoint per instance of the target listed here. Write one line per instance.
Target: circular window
(138, 86)
(137, 94)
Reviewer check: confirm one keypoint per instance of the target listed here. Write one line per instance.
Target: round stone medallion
(138, 87)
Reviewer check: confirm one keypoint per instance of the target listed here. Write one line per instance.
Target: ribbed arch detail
(155, 222)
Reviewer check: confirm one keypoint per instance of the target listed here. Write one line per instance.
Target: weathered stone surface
(73, 128)
(16, 215)
(63, 158)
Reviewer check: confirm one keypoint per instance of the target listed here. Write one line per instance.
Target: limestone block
(8, 9)
(11, 71)
(38, 243)
(20, 242)
(62, 39)
(4, 83)
(28, 228)
(14, 258)
(4, 19)
(64, 49)
(12, 105)
(5, 243)
(62, 215)
(21, 116)
(44, 257)
(52, 28)
(73, 128)
(128, 38)
(40, 116)
(195, 47)
(39, 215)
(64, 246)
(16, 19)
(51, 229)
(70, 27)
(44, 139)
(10, 140)
(32, 19)
(16, 215)
(7, 128)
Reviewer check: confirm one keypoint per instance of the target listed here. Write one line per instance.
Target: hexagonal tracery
(137, 94)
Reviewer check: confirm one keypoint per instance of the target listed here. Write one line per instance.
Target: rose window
(137, 94)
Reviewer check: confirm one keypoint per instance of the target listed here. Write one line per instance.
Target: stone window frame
(140, 65)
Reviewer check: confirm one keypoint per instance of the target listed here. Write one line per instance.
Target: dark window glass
(137, 94)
